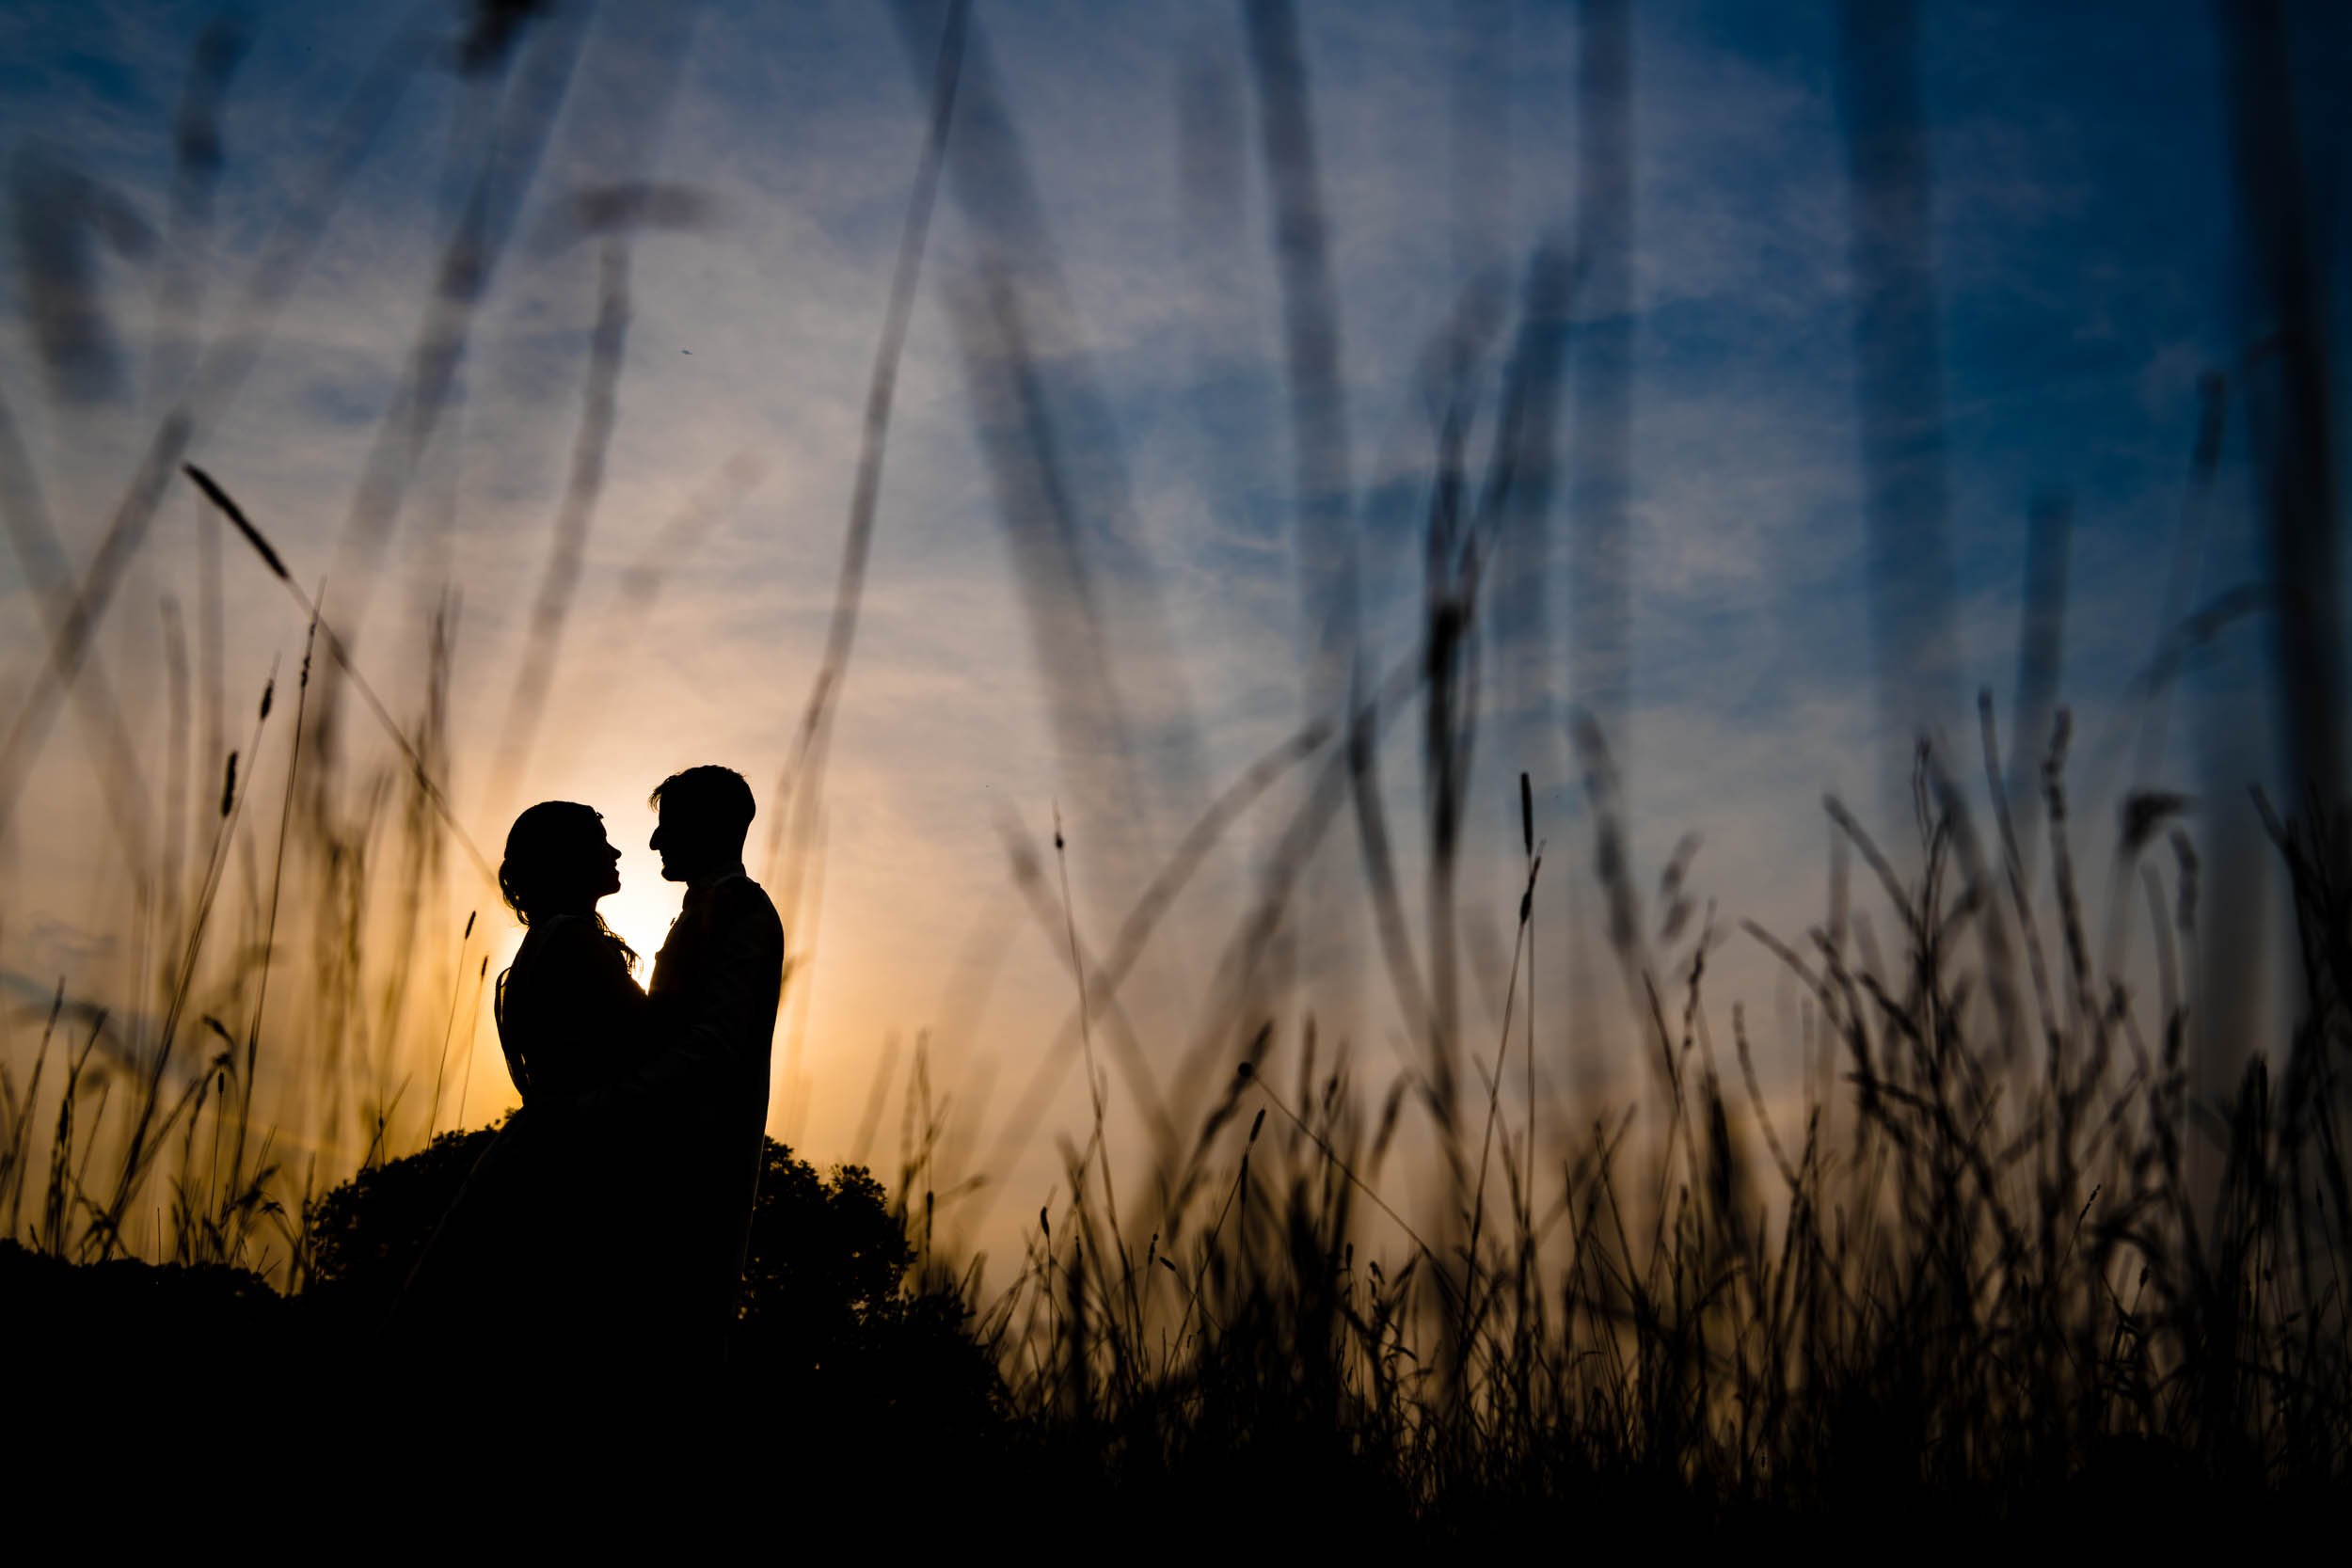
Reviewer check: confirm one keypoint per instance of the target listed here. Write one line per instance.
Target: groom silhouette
(698, 1104)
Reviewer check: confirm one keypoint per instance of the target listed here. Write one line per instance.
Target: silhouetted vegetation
(1970, 1274)
(827, 1327)
(1999, 1254)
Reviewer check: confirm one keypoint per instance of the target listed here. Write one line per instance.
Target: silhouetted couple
(609, 1220)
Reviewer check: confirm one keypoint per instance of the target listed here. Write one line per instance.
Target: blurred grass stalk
(1975, 1249)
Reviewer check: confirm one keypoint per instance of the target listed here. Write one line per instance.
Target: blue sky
(2083, 228)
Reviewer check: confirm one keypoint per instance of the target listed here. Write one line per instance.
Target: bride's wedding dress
(526, 1258)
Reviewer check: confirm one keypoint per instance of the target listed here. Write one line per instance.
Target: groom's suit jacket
(716, 983)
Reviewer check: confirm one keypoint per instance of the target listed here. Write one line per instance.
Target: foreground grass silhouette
(1992, 1289)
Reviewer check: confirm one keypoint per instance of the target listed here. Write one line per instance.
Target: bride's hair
(546, 851)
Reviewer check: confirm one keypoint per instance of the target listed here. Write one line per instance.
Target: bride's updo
(556, 863)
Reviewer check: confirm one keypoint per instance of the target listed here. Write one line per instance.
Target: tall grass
(1993, 1245)
(1962, 1266)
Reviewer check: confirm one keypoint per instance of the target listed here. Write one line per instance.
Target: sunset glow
(1518, 586)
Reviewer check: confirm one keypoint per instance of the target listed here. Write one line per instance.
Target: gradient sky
(2083, 227)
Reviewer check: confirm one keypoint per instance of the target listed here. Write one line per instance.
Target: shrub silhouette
(826, 1328)
(824, 1325)
(367, 1234)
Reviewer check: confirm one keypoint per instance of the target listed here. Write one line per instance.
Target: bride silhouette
(570, 1017)
(526, 1250)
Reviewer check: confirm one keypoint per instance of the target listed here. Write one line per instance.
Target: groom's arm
(735, 1016)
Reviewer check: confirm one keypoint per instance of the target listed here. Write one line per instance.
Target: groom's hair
(715, 797)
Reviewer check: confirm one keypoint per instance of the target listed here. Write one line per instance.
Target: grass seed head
(238, 520)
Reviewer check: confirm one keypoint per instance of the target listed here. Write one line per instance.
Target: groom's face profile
(672, 843)
(704, 812)
(687, 845)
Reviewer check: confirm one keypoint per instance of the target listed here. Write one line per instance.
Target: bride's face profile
(609, 878)
(558, 858)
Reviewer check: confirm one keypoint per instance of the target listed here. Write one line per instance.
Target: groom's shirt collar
(708, 880)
